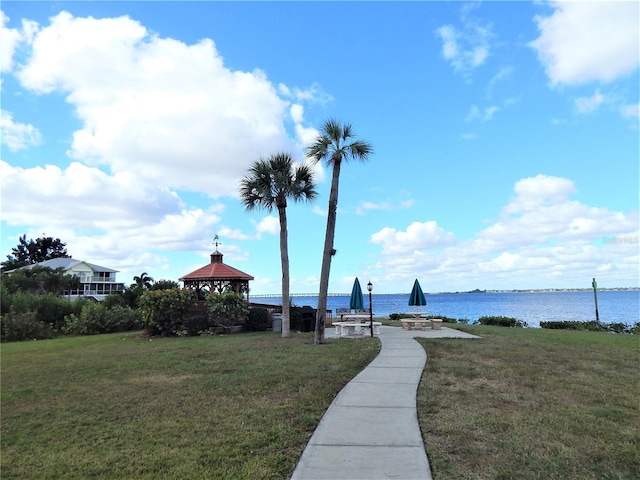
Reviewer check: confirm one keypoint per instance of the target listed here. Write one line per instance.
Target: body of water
(531, 307)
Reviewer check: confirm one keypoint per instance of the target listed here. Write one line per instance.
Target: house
(95, 281)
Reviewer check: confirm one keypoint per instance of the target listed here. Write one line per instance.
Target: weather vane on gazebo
(216, 242)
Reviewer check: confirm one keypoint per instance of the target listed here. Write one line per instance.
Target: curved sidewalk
(370, 430)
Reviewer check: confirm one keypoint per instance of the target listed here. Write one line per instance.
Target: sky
(505, 138)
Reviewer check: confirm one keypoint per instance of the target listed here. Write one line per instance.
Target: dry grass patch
(118, 406)
(530, 403)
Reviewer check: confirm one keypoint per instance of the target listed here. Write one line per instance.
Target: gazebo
(217, 277)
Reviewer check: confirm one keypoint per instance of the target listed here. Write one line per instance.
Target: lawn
(517, 403)
(532, 404)
(119, 406)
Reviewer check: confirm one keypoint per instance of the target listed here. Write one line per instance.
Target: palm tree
(142, 282)
(334, 144)
(269, 183)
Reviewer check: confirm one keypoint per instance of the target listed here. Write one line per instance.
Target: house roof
(217, 270)
(68, 264)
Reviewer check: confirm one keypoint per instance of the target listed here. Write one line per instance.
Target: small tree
(40, 280)
(143, 282)
(226, 309)
(34, 251)
(164, 285)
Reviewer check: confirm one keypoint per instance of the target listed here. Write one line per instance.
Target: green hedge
(501, 321)
(592, 326)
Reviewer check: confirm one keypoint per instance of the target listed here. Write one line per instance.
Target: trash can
(276, 322)
(308, 319)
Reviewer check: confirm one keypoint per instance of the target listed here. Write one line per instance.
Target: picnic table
(356, 325)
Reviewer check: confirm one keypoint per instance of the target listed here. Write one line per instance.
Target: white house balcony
(94, 279)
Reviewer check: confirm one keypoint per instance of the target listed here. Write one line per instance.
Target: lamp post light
(370, 288)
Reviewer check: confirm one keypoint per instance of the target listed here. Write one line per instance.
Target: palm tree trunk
(327, 254)
(284, 260)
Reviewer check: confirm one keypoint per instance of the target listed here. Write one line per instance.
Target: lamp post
(370, 288)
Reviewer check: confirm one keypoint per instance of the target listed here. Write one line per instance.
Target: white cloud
(589, 104)
(504, 74)
(17, 136)
(9, 39)
(268, 224)
(542, 211)
(539, 191)
(582, 42)
(632, 110)
(319, 211)
(297, 112)
(418, 236)
(163, 111)
(102, 216)
(483, 115)
(364, 207)
(543, 238)
(467, 47)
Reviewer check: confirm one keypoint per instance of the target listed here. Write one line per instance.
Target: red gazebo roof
(217, 270)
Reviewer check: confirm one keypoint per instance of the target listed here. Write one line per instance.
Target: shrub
(560, 325)
(115, 299)
(49, 308)
(619, 327)
(195, 324)
(258, 320)
(394, 316)
(164, 311)
(591, 326)
(53, 310)
(5, 299)
(18, 326)
(444, 319)
(96, 318)
(501, 321)
(226, 309)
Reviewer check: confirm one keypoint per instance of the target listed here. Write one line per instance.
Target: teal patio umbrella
(416, 298)
(356, 302)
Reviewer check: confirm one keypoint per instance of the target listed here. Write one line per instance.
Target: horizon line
(512, 290)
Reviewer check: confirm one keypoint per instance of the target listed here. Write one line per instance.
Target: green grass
(518, 403)
(532, 404)
(119, 406)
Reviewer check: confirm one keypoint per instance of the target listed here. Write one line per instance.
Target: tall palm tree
(269, 183)
(334, 144)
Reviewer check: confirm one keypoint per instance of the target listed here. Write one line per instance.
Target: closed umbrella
(356, 302)
(416, 298)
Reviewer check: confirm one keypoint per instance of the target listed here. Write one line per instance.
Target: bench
(436, 323)
(408, 322)
(356, 328)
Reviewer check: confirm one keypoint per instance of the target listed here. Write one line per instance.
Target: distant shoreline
(531, 290)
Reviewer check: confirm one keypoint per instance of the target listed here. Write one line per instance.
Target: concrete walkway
(371, 431)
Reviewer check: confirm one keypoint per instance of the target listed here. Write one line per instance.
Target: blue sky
(505, 138)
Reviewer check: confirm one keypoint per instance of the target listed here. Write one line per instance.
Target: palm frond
(272, 180)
